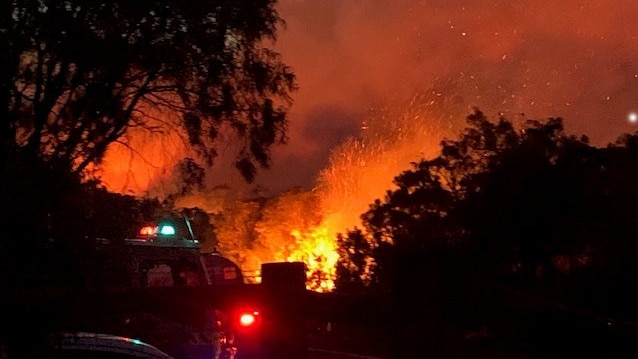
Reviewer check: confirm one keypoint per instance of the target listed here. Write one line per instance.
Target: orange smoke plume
(297, 225)
(303, 226)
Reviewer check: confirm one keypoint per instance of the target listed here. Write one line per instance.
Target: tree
(512, 197)
(235, 232)
(280, 228)
(77, 74)
(523, 209)
(356, 261)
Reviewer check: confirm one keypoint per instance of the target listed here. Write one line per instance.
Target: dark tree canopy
(532, 207)
(76, 74)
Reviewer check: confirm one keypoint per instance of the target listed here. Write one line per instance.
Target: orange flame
(318, 250)
(361, 170)
(303, 226)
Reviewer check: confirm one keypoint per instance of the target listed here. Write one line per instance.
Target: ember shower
(523, 59)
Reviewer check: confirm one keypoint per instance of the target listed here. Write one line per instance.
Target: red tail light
(248, 319)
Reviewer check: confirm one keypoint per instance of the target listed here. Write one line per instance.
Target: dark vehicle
(158, 288)
(158, 258)
(101, 346)
(187, 303)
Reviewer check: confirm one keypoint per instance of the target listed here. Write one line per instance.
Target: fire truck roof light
(148, 231)
(167, 230)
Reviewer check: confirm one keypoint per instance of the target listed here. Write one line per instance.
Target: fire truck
(187, 303)
(158, 287)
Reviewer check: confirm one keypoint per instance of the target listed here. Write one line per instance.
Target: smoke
(531, 59)
(363, 168)
(383, 82)
(522, 59)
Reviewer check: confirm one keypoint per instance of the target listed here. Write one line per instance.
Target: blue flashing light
(167, 230)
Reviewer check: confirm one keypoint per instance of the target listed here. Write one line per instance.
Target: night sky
(524, 59)
(430, 62)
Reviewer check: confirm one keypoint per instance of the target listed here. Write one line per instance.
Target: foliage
(236, 238)
(77, 74)
(355, 264)
(528, 206)
(191, 175)
(295, 209)
(267, 230)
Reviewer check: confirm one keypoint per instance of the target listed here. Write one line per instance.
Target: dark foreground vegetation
(525, 237)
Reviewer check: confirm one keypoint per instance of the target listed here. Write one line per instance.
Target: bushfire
(302, 225)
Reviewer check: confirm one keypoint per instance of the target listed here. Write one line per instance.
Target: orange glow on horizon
(142, 161)
(360, 171)
(302, 225)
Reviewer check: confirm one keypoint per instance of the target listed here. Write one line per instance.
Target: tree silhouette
(517, 200)
(77, 75)
(356, 261)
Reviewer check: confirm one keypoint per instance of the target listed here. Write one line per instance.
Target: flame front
(317, 249)
(301, 225)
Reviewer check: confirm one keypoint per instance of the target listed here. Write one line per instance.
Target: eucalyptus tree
(77, 74)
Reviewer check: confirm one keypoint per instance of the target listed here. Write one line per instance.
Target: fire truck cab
(157, 256)
(187, 303)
